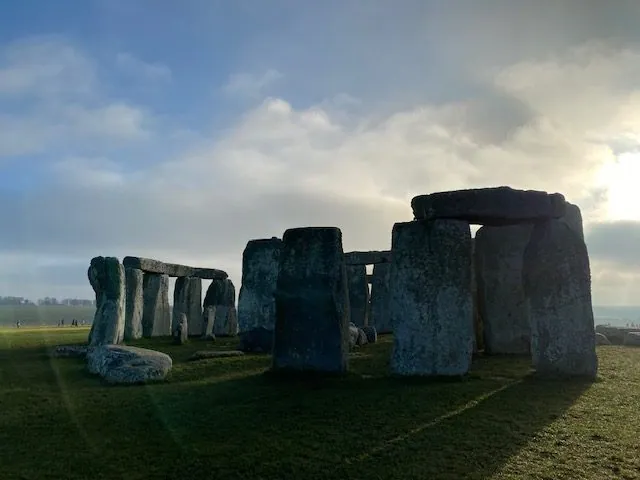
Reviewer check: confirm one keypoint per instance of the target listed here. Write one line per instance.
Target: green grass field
(225, 419)
(32, 316)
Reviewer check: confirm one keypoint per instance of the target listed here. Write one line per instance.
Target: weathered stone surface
(632, 338)
(499, 256)
(312, 303)
(134, 279)
(123, 364)
(256, 301)
(106, 276)
(74, 351)
(357, 336)
(489, 206)
(187, 299)
(181, 329)
(557, 286)
(430, 301)
(371, 333)
(615, 334)
(380, 298)
(149, 265)
(208, 319)
(221, 294)
(367, 258)
(205, 354)
(573, 218)
(602, 340)
(358, 294)
(156, 316)
(258, 340)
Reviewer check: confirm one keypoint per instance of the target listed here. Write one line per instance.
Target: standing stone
(358, 294)
(134, 304)
(187, 299)
(430, 301)
(380, 298)
(181, 329)
(221, 294)
(106, 276)
(501, 301)
(156, 316)
(573, 218)
(208, 319)
(312, 303)
(256, 303)
(557, 286)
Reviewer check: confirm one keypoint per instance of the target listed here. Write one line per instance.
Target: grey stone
(73, 351)
(256, 302)
(134, 279)
(430, 300)
(312, 303)
(602, 340)
(495, 206)
(106, 276)
(358, 294)
(205, 354)
(615, 334)
(371, 334)
(149, 265)
(208, 320)
(181, 329)
(259, 340)
(187, 299)
(156, 315)
(380, 298)
(573, 218)
(499, 256)
(124, 364)
(632, 338)
(557, 286)
(221, 294)
(357, 336)
(367, 258)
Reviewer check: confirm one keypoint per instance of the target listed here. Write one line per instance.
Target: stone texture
(573, 218)
(367, 258)
(256, 302)
(149, 265)
(156, 315)
(615, 334)
(499, 256)
(187, 299)
(134, 279)
(208, 319)
(371, 334)
(380, 298)
(124, 364)
(258, 340)
(181, 329)
(70, 351)
(106, 276)
(205, 354)
(602, 340)
(495, 206)
(557, 286)
(632, 338)
(221, 294)
(357, 336)
(312, 303)
(430, 301)
(358, 294)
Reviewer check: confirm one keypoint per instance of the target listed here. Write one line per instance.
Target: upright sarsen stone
(187, 299)
(106, 276)
(156, 316)
(557, 286)
(134, 279)
(312, 303)
(358, 294)
(380, 298)
(221, 294)
(499, 253)
(256, 302)
(430, 300)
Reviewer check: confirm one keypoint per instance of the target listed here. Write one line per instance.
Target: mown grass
(36, 315)
(223, 418)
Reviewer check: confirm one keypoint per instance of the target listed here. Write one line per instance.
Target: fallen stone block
(121, 364)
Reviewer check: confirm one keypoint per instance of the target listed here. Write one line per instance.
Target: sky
(181, 130)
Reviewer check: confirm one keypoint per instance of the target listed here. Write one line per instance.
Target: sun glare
(622, 179)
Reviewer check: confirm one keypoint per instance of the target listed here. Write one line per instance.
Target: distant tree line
(46, 301)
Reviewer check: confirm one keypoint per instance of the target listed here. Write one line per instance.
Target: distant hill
(50, 315)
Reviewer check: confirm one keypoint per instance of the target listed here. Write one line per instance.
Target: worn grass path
(224, 419)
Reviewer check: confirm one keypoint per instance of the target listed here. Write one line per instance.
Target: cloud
(132, 65)
(252, 86)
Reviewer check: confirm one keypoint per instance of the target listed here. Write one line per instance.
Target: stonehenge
(156, 315)
(358, 294)
(106, 276)
(220, 308)
(187, 300)
(134, 278)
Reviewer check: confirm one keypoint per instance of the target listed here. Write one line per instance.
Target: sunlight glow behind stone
(622, 179)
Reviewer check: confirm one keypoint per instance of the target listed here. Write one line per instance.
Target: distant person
(62, 322)
(17, 323)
